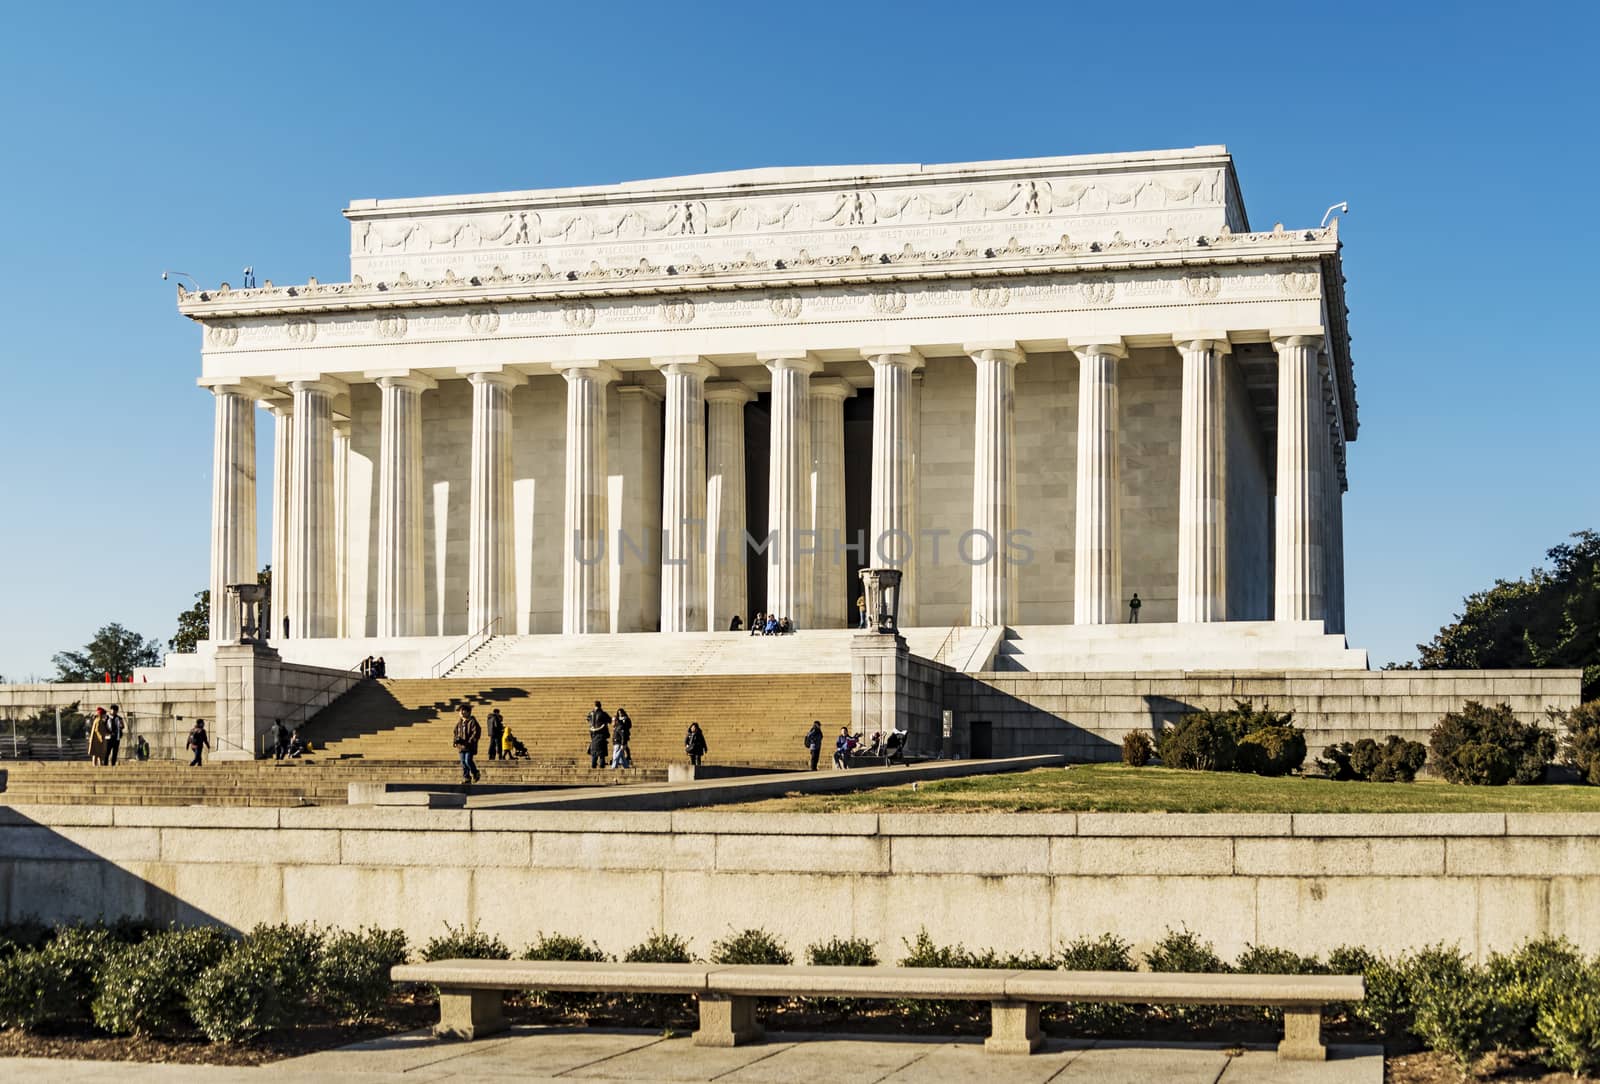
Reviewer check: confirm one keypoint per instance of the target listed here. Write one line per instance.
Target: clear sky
(137, 137)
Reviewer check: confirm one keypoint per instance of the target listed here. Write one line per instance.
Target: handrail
(490, 630)
(301, 711)
(950, 638)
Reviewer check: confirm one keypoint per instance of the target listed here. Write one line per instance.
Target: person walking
(114, 731)
(1133, 609)
(694, 743)
(98, 736)
(497, 726)
(280, 740)
(197, 741)
(621, 734)
(468, 732)
(814, 742)
(599, 726)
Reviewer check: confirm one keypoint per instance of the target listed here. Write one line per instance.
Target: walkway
(598, 1056)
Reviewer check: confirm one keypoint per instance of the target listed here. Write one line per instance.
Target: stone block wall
(161, 713)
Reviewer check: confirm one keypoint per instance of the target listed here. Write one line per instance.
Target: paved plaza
(597, 1056)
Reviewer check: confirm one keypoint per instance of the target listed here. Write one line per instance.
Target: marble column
(1336, 606)
(891, 524)
(586, 589)
(313, 604)
(683, 496)
(994, 483)
(282, 411)
(233, 504)
(341, 526)
(1097, 561)
(491, 584)
(1298, 573)
(1203, 479)
(830, 601)
(633, 524)
(789, 562)
(726, 522)
(402, 605)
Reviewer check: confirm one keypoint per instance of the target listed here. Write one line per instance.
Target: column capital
(906, 357)
(505, 378)
(233, 385)
(1194, 341)
(597, 371)
(1006, 350)
(798, 360)
(1297, 336)
(1107, 346)
(728, 391)
(832, 387)
(280, 406)
(409, 379)
(628, 391)
(316, 382)
(686, 365)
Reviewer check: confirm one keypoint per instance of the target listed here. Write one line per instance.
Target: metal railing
(465, 648)
(948, 644)
(352, 675)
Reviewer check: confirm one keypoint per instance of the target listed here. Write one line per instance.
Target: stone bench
(471, 993)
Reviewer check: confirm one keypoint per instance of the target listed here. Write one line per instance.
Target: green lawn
(1116, 788)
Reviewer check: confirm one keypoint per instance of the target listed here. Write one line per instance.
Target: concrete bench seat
(471, 993)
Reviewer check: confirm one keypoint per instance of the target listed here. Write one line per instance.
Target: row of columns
(703, 491)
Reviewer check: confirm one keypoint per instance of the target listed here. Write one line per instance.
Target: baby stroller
(518, 750)
(894, 747)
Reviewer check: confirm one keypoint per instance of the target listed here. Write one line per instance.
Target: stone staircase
(310, 781)
(1221, 645)
(749, 719)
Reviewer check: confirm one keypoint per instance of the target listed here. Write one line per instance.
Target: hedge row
(132, 980)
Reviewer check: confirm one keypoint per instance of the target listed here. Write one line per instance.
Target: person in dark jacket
(814, 742)
(197, 741)
(843, 746)
(694, 743)
(621, 734)
(467, 734)
(497, 727)
(599, 727)
(280, 740)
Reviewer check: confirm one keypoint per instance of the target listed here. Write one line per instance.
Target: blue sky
(202, 138)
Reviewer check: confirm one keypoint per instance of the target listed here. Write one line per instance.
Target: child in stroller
(510, 747)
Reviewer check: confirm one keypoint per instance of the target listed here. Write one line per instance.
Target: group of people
(613, 733)
(889, 744)
(374, 667)
(286, 744)
(765, 625)
(105, 736)
(469, 734)
(503, 745)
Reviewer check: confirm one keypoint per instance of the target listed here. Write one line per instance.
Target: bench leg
(470, 1014)
(1015, 1028)
(728, 1021)
(1302, 1036)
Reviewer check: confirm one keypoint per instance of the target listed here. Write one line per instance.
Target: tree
(1550, 620)
(114, 650)
(194, 624)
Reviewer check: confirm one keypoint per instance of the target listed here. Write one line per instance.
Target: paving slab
(839, 1061)
(1345, 1065)
(968, 1063)
(1140, 1063)
(678, 1059)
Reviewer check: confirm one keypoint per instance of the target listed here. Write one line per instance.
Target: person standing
(466, 738)
(98, 736)
(114, 731)
(621, 734)
(280, 740)
(197, 741)
(1133, 609)
(814, 742)
(694, 743)
(861, 610)
(497, 726)
(599, 725)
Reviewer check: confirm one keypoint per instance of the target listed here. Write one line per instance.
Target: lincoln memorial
(1037, 387)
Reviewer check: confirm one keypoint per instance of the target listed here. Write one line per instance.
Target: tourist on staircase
(814, 742)
(297, 746)
(736, 624)
(197, 741)
(758, 624)
(99, 735)
(114, 730)
(621, 732)
(467, 734)
(497, 727)
(694, 743)
(280, 740)
(599, 728)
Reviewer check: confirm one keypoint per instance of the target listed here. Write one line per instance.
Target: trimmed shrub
(264, 984)
(560, 946)
(1137, 748)
(1261, 960)
(352, 979)
(1396, 760)
(1581, 746)
(54, 985)
(750, 947)
(840, 952)
(1526, 979)
(1271, 750)
(923, 951)
(1461, 1017)
(1488, 746)
(1108, 952)
(1569, 1025)
(27, 933)
(661, 948)
(465, 943)
(1183, 950)
(144, 987)
(1199, 743)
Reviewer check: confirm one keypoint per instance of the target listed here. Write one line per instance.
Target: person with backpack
(197, 741)
(599, 728)
(621, 734)
(467, 734)
(694, 743)
(814, 742)
(115, 728)
(497, 726)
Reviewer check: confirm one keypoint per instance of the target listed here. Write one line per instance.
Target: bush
(1395, 761)
(54, 984)
(1461, 1017)
(1137, 748)
(1581, 747)
(1108, 952)
(1183, 951)
(352, 979)
(1261, 960)
(661, 948)
(465, 943)
(750, 947)
(1526, 979)
(26, 933)
(1387, 1007)
(924, 952)
(1487, 746)
(1271, 750)
(1199, 743)
(842, 952)
(558, 946)
(1569, 1025)
(144, 987)
(264, 984)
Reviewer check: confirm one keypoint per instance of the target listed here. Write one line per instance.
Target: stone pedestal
(244, 671)
(880, 682)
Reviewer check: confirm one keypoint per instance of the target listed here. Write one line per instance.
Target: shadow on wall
(52, 874)
(371, 707)
(1016, 727)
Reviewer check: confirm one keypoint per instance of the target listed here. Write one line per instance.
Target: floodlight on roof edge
(1343, 207)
